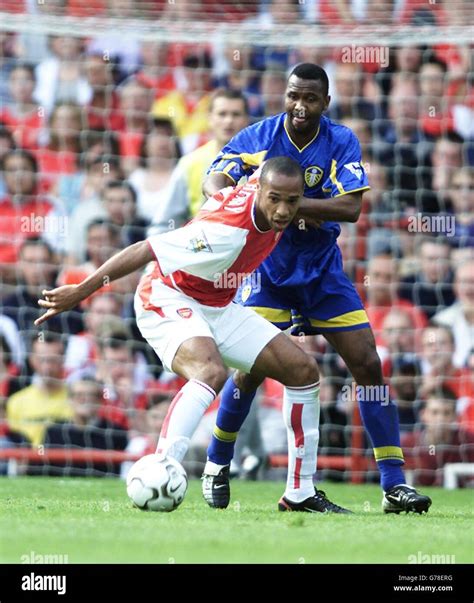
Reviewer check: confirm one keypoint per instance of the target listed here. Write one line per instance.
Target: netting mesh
(98, 103)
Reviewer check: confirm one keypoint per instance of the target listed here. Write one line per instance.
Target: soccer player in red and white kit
(184, 309)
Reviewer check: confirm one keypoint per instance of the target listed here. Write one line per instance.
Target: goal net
(102, 102)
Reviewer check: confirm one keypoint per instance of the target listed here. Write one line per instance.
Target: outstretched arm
(125, 262)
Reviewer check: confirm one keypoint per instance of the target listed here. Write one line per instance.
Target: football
(157, 483)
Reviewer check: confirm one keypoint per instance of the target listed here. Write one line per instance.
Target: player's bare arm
(215, 182)
(345, 208)
(68, 296)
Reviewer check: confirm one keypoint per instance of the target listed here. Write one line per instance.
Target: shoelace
(327, 503)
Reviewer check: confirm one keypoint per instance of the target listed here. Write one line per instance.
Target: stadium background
(119, 90)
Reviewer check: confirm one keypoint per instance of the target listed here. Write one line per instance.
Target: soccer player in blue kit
(302, 285)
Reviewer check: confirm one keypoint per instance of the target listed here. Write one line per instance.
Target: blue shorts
(329, 303)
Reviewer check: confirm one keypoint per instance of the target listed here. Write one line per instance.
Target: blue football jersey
(331, 163)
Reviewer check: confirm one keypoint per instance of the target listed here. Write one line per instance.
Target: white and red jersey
(207, 258)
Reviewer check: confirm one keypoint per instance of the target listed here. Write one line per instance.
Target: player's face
(278, 201)
(305, 101)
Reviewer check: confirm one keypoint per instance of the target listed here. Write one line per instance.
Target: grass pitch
(92, 521)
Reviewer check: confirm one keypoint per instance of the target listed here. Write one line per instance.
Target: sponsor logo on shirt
(312, 175)
(354, 168)
(199, 243)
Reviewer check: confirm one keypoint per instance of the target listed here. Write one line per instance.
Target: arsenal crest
(185, 312)
(312, 175)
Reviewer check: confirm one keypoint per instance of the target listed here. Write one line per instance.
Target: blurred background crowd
(105, 139)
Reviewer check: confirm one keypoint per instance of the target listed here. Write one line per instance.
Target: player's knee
(369, 368)
(246, 382)
(309, 371)
(303, 372)
(214, 375)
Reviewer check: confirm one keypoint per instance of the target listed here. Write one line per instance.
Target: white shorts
(239, 332)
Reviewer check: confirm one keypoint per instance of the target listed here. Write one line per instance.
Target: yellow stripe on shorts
(357, 317)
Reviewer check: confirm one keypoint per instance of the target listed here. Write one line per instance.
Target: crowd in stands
(103, 141)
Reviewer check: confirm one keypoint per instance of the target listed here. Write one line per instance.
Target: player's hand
(305, 222)
(58, 300)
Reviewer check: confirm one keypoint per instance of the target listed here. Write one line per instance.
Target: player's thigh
(241, 335)
(358, 350)
(177, 320)
(284, 361)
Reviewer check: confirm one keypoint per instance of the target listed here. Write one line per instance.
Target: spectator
(25, 213)
(111, 45)
(188, 108)
(37, 269)
(62, 153)
(22, 115)
(7, 143)
(124, 376)
(332, 421)
(400, 149)
(405, 384)
(159, 154)
(120, 203)
(237, 71)
(98, 143)
(272, 92)
(399, 335)
(382, 296)
(438, 440)
(347, 241)
(7, 61)
(154, 71)
(103, 109)
(45, 400)
(348, 101)
(435, 116)
(9, 331)
(59, 78)
(362, 130)
(81, 192)
(103, 241)
(135, 103)
(461, 197)
(8, 377)
(84, 430)
(460, 316)
(430, 288)
(99, 171)
(81, 351)
(228, 114)
(466, 418)
(377, 222)
(9, 384)
(146, 442)
(438, 368)
(446, 157)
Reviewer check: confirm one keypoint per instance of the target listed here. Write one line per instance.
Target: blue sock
(380, 419)
(233, 410)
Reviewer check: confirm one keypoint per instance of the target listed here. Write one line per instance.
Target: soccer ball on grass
(157, 483)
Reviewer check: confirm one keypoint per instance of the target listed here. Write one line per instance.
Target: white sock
(183, 417)
(301, 416)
